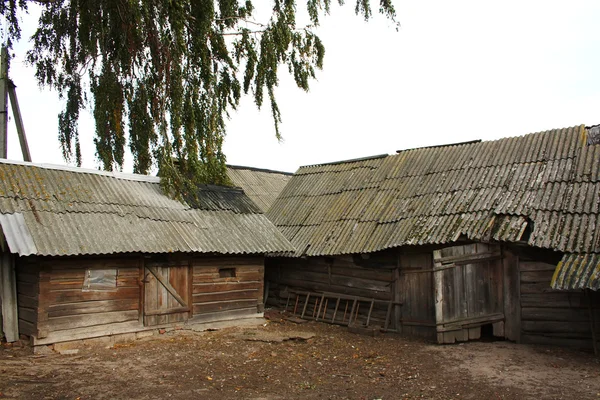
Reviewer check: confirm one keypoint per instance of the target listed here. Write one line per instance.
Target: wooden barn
(88, 254)
(454, 242)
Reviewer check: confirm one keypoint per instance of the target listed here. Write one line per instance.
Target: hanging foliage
(163, 75)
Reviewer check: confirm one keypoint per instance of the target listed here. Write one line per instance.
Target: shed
(88, 253)
(496, 237)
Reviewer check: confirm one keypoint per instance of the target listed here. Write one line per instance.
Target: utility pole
(7, 88)
(3, 102)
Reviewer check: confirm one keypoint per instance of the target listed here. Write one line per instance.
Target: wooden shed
(454, 242)
(87, 253)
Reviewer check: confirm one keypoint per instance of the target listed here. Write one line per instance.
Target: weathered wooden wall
(216, 295)
(370, 277)
(554, 317)
(28, 279)
(416, 293)
(56, 308)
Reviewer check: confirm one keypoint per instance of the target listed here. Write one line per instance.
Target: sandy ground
(283, 360)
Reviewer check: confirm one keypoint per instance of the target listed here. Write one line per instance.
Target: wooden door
(468, 284)
(166, 293)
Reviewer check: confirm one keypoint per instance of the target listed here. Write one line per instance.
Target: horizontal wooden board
(553, 300)
(554, 314)
(225, 286)
(252, 294)
(556, 341)
(366, 284)
(324, 287)
(540, 287)
(28, 289)
(579, 328)
(72, 296)
(65, 284)
(536, 276)
(249, 277)
(91, 307)
(27, 301)
(227, 260)
(363, 273)
(27, 328)
(27, 277)
(87, 320)
(223, 306)
(526, 266)
(27, 314)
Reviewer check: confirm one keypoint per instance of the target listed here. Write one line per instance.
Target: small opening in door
(226, 272)
(487, 334)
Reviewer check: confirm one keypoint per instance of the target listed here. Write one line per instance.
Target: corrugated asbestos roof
(484, 191)
(577, 271)
(262, 186)
(49, 210)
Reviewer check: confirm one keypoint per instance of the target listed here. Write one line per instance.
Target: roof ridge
(351, 160)
(271, 171)
(69, 168)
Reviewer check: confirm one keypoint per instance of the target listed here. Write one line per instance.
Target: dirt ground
(283, 360)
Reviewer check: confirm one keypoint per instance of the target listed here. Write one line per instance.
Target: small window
(226, 272)
(100, 280)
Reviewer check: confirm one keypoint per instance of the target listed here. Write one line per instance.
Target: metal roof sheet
(52, 211)
(488, 190)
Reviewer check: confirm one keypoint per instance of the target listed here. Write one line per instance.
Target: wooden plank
(27, 328)
(213, 287)
(89, 332)
(526, 266)
(371, 274)
(28, 314)
(27, 301)
(8, 296)
(325, 287)
(223, 306)
(549, 327)
(536, 277)
(92, 307)
(87, 320)
(554, 314)
(552, 300)
(253, 294)
(72, 296)
(169, 311)
(467, 258)
(540, 287)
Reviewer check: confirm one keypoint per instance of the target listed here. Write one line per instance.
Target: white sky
(455, 71)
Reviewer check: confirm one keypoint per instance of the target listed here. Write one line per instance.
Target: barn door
(468, 292)
(166, 293)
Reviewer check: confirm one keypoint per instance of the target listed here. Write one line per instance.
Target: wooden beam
(4, 102)
(14, 102)
(8, 293)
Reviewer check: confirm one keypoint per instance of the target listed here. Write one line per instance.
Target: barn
(88, 253)
(452, 242)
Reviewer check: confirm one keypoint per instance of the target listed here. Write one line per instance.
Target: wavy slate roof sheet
(485, 191)
(262, 186)
(577, 271)
(49, 210)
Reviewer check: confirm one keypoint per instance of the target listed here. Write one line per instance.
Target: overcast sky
(454, 71)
